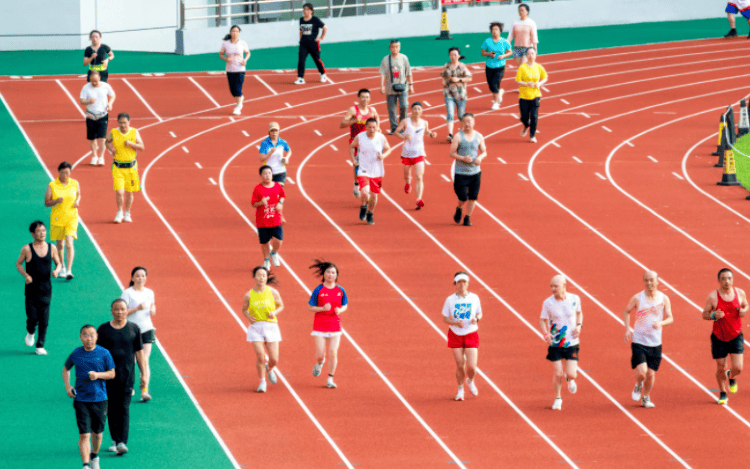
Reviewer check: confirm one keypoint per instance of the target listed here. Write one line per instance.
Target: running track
(620, 181)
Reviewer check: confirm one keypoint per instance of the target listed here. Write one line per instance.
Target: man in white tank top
(653, 311)
(370, 148)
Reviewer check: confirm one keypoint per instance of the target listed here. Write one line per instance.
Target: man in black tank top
(37, 257)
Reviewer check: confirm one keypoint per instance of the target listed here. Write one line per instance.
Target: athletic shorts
(236, 79)
(126, 179)
(555, 354)
(720, 348)
(265, 234)
(148, 337)
(519, 51)
(280, 178)
(374, 183)
(732, 8)
(97, 128)
(494, 77)
(470, 340)
(651, 356)
(327, 335)
(263, 331)
(90, 416)
(467, 187)
(58, 233)
(406, 161)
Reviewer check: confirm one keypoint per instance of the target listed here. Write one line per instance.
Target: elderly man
(123, 142)
(370, 148)
(98, 97)
(395, 75)
(469, 150)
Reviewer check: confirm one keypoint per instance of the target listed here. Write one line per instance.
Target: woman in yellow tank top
(261, 306)
(123, 142)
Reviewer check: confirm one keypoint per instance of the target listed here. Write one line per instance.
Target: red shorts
(463, 341)
(411, 161)
(375, 183)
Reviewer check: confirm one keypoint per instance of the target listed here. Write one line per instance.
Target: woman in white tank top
(412, 130)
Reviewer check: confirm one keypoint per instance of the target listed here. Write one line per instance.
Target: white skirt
(262, 331)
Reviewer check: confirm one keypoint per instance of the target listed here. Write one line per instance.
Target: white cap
(460, 277)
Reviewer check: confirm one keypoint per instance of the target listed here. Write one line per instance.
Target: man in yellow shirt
(530, 77)
(64, 196)
(123, 142)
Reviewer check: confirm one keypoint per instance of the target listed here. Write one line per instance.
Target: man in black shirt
(123, 341)
(309, 43)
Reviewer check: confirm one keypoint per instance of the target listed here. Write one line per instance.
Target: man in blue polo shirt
(94, 364)
(497, 49)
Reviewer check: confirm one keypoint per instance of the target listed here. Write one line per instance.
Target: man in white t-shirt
(524, 33)
(561, 323)
(98, 97)
(369, 148)
(653, 312)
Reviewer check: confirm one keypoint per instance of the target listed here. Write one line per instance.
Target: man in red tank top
(355, 119)
(726, 306)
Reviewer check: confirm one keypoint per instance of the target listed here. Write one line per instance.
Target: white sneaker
(646, 402)
(572, 386)
(524, 131)
(119, 216)
(636, 393)
(101, 161)
(323, 78)
(299, 81)
(126, 218)
(271, 375)
(330, 384)
(495, 106)
(29, 340)
(236, 111)
(460, 395)
(318, 368)
(94, 160)
(262, 387)
(532, 140)
(472, 387)
(356, 191)
(41, 351)
(275, 259)
(240, 106)
(95, 463)
(267, 264)
(121, 449)
(113, 448)
(63, 273)
(557, 405)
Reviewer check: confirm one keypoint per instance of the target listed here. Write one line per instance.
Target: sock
(356, 183)
(731, 381)
(263, 380)
(722, 395)
(558, 397)
(267, 259)
(273, 253)
(93, 456)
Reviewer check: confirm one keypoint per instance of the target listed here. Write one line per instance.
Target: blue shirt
(499, 48)
(99, 360)
(268, 145)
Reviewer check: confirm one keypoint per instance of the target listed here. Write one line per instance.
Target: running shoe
(121, 449)
(262, 387)
(407, 188)
(532, 140)
(236, 111)
(323, 78)
(101, 161)
(113, 448)
(119, 216)
(95, 463)
(330, 384)
(557, 405)
(495, 106)
(70, 275)
(524, 131)
(267, 264)
(275, 259)
(572, 386)
(732, 384)
(126, 218)
(457, 215)
(636, 395)
(94, 160)
(449, 138)
(271, 375)
(317, 369)
(646, 402)
(145, 396)
(460, 395)
(732, 33)
(63, 273)
(299, 81)
(370, 220)
(472, 387)
(363, 212)
(722, 399)
(41, 351)
(467, 221)
(356, 191)
(420, 204)
(29, 340)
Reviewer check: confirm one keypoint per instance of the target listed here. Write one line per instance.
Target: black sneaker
(370, 221)
(363, 212)
(467, 222)
(732, 33)
(457, 215)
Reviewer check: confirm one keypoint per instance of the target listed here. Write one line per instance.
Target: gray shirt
(468, 148)
(401, 70)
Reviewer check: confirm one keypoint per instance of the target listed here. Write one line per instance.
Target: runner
(462, 312)
(235, 53)
(373, 149)
(261, 306)
(140, 303)
(97, 56)
(268, 201)
(412, 131)
(327, 301)
(468, 150)
(309, 43)
(530, 77)
(734, 7)
(525, 35)
(123, 142)
(275, 152)
(653, 312)
(561, 322)
(455, 75)
(98, 97)
(355, 119)
(726, 307)
(496, 49)
(64, 196)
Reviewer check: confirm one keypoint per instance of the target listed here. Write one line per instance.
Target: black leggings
(312, 48)
(37, 313)
(529, 113)
(119, 411)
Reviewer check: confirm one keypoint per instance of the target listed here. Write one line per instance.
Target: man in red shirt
(268, 201)
(355, 119)
(726, 306)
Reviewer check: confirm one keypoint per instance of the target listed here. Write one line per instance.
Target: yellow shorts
(126, 178)
(58, 233)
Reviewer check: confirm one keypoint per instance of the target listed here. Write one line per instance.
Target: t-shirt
(102, 54)
(100, 93)
(142, 317)
(328, 321)
(528, 73)
(100, 360)
(562, 319)
(499, 48)
(266, 216)
(122, 344)
(310, 28)
(465, 308)
(524, 33)
(64, 214)
(236, 54)
(369, 149)
(401, 70)
(274, 159)
(456, 91)
(649, 312)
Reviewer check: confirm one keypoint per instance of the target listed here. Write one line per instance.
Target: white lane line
(334, 147)
(185, 149)
(426, 162)
(629, 144)
(664, 112)
(257, 146)
(158, 74)
(245, 133)
(600, 176)
(317, 132)
(15, 77)
(564, 101)
(212, 181)
(523, 177)
(477, 90)
(328, 79)
(678, 176)
(445, 177)
(147, 74)
(585, 115)
(266, 84)
(279, 71)
(198, 165)
(556, 144)
(606, 128)
(349, 162)
(290, 180)
(288, 105)
(125, 80)
(545, 89)
(231, 119)
(75, 103)
(426, 103)
(577, 159)
(501, 160)
(342, 91)
(476, 67)
(204, 92)
(172, 134)
(303, 118)
(653, 159)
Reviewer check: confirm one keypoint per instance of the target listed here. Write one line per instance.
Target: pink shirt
(236, 54)
(524, 32)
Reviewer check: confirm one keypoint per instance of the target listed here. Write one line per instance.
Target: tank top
(40, 270)
(64, 213)
(649, 312)
(124, 154)
(468, 148)
(261, 304)
(730, 326)
(359, 126)
(414, 145)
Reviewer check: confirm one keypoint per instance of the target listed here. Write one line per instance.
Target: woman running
(530, 78)
(328, 301)
(140, 303)
(236, 54)
(97, 56)
(260, 306)
(412, 130)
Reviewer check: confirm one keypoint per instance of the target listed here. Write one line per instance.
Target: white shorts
(263, 331)
(327, 335)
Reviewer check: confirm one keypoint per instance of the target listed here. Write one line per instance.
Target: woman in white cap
(462, 312)
(275, 152)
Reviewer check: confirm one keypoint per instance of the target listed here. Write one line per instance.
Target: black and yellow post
(729, 176)
(719, 150)
(444, 30)
(744, 127)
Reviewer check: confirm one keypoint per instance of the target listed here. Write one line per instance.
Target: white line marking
(476, 67)
(303, 118)
(343, 69)
(158, 74)
(426, 162)
(585, 115)
(185, 149)
(349, 162)
(545, 89)
(288, 105)
(75, 103)
(426, 103)
(477, 90)
(630, 144)
(125, 80)
(606, 128)
(353, 69)
(342, 91)
(515, 116)
(328, 79)
(245, 133)
(147, 74)
(279, 71)
(555, 144)
(523, 177)
(172, 134)
(290, 180)
(266, 84)
(600, 176)
(232, 119)
(678, 176)
(577, 159)
(204, 92)
(334, 147)
(257, 146)
(653, 159)
(15, 77)
(442, 116)
(212, 181)
(317, 132)
(664, 112)
(198, 165)
(564, 101)
(445, 177)
(501, 160)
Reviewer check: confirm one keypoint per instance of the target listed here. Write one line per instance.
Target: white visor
(460, 277)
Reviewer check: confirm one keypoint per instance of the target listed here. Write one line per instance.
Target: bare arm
(382, 84)
(349, 118)
(111, 55)
(374, 114)
(77, 202)
(325, 31)
(279, 304)
(287, 156)
(49, 201)
(352, 147)
(579, 324)
(111, 98)
(668, 317)
(25, 257)
(246, 306)
(341, 309)
(110, 374)
(401, 127)
(544, 326)
(108, 142)
(632, 306)
(66, 382)
(138, 145)
(56, 260)
(710, 308)
(223, 54)
(743, 303)
(386, 149)
(453, 322)
(482, 152)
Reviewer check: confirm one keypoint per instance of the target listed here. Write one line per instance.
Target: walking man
(653, 311)
(268, 201)
(38, 290)
(309, 43)
(370, 148)
(395, 75)
(123, 142)
(468, 149)
(98, 97)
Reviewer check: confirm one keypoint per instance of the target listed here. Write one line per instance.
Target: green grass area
(742, 160)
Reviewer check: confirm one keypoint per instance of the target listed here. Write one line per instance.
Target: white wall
(34, 24)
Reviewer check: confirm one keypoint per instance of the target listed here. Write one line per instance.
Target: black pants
(529, 113)
(37, 314)
(312, 48)
(119, 411)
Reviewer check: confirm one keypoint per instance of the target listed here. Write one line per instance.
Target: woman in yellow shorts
(261, 306)
(64, 195)
(123, 142)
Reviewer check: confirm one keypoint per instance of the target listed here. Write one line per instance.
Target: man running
(734, 7)
(268, 201)
(561, 323)
(653, 312)
(373, 149)
(98, 97)
(123, 142)
(309, 42)
(468, 149)
(726, 306)
(355, 119)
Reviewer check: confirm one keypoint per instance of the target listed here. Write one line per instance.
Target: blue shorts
(236, 79)
(265, 234)
(732, 8)
(519, 51)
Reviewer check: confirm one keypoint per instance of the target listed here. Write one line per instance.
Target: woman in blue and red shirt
(328, 301)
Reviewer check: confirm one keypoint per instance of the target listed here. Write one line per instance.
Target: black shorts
(149, 337)
(494, 77)
(265, 234)
(90, 416)
(280, 178)
(236, 79)
(103, 74)
(467, 187)
(97, 128)
(555, 354)
(720, 349)
(651, 356)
